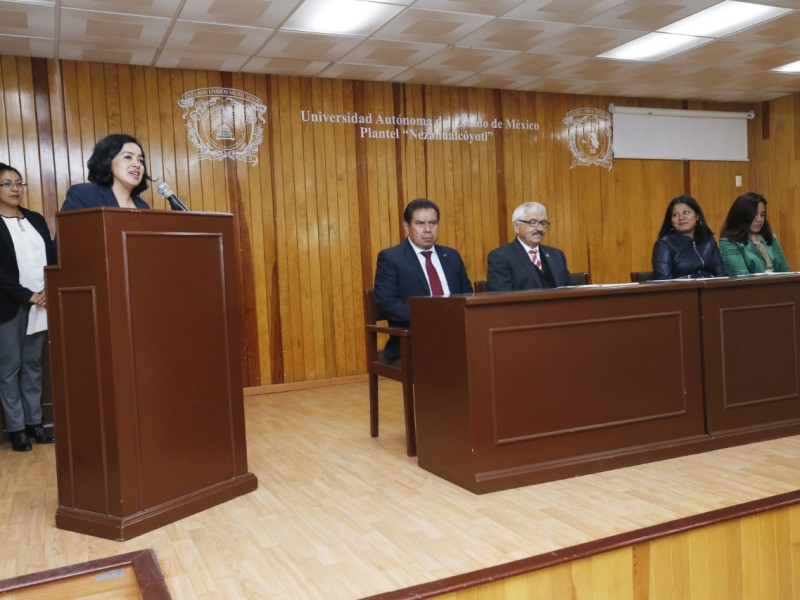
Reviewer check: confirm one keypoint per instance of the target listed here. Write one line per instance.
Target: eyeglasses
(11, 184)
(535, 223)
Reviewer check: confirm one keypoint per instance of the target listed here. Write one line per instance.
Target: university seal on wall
(224, 123)
(589, 135)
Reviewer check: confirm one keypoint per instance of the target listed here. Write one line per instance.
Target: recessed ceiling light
(654, 46)
(717, 21)
(344, 17)
(725, 18)
(793, 67)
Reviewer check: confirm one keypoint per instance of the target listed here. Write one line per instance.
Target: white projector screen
(679, 134)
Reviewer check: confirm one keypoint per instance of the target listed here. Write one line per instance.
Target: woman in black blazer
(25, 249)
(117, 175)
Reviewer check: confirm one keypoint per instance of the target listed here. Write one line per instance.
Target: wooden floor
(341, 515)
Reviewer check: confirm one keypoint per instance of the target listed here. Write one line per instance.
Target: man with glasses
(525, 264)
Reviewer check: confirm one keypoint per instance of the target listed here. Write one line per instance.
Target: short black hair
(99, 163)
(419, 204)
(5, 167)
(741, 214)
(701, 231)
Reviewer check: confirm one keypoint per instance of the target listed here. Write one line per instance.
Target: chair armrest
(396, 331)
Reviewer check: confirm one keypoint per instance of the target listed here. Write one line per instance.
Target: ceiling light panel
(342, 17)
(725, 18)
(654, 46)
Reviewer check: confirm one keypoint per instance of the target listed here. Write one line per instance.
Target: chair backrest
(640, 276)
(370, 309)
(479, 285)
(582, 278)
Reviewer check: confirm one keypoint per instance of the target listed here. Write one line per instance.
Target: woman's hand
(39, 299)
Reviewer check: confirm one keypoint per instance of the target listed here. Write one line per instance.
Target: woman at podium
(117, 175)
(25, 249)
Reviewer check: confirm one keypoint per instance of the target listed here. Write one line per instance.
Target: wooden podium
(143, 313)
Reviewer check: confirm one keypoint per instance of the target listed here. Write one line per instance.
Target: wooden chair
(377, 365)
(642, 276)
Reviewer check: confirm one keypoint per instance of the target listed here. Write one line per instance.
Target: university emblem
(589, 135)
(224, 123)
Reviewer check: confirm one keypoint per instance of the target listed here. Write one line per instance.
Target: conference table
(518, 388)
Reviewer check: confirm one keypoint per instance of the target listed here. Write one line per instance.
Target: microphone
(174, 201)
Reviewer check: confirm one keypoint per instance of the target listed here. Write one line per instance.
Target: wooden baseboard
(302, 385)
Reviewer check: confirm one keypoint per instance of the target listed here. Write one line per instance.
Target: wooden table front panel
(551, 384)
(750, 351)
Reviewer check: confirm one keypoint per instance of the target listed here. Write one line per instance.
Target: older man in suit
(416, 267)
(526, 264)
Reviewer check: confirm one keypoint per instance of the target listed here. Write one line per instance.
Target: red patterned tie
(535, 258)
(433, 276)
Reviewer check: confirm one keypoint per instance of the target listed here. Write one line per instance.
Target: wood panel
(755, 556)
(323, 198)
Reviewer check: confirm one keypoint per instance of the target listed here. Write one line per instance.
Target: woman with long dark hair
(747, 242)
(686, 246)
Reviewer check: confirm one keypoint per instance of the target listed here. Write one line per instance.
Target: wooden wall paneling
(29, 162)
(293, 205)
(350, 223)
(243, 185)
(447, 166)
(470, 244)
(4, 141)
(339, 338)
(45, 145)
(183, 154)
(126, 90)
(169, 120)
(151, 137)
(272, 345)
(15, 140)
(235, 191)
(498, 176)
(98, 101)
(192, 186)
(308, 247)
(329, 294)
(113, 93)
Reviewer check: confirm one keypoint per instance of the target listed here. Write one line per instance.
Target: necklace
(19, 221)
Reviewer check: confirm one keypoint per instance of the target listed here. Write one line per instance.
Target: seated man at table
(526, 264)
(416, 267)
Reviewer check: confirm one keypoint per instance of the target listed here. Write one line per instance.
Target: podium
(143, 313)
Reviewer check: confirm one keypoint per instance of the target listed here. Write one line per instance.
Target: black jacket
(12, 294)
(676, 255)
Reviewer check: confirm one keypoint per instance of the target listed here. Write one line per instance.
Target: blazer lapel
(413, 262)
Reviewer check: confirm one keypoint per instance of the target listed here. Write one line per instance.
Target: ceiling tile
(314, 46)
(429, 26)
(210, 37)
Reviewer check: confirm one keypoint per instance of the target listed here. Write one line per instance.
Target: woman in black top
(686, 246)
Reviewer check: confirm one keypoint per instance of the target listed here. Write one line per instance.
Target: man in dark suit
(416, 267)
(526, 264)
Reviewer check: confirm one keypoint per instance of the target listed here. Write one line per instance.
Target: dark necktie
(433, 276)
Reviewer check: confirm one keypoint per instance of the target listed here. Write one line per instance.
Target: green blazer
(745, 258)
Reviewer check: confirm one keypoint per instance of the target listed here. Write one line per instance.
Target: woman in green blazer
(747, 243)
